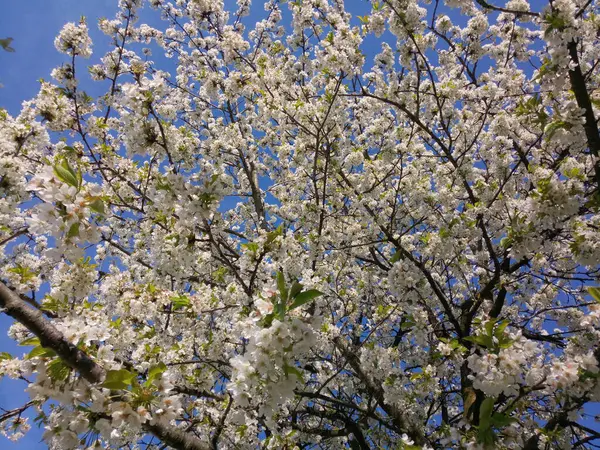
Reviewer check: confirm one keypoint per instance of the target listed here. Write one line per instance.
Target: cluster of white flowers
(73, 39)
(508, 370)
(268, 371)
(64, 213)
(14, 429)
(437, 192)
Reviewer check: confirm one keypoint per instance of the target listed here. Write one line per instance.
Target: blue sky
(34, 24)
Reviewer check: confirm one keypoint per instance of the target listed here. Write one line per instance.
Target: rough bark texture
(583, 101)
(50, 337)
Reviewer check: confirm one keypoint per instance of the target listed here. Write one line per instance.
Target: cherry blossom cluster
(332, 228)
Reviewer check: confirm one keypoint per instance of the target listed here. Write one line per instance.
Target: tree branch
(78, 360)
(395, 414)
(583, 101)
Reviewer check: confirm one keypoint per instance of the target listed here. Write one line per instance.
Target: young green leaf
(58, 370)
(295, 289)
(292, 370)
(485, 412)
(30, 341)
(73, 230)
(396, 257)
(279, 310)
(118, 379)
(500, 329)
(551, 129)
(41, 352)
(155, 372)
(180, 302)
(97, 206)
(281, 286)
(65, 173)
(272, 235)
(501, 420)
(594, 292)
(304, 297)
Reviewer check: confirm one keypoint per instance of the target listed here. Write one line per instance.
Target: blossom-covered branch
(313, 227)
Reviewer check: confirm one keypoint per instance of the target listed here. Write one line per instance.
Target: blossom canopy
(273, 239)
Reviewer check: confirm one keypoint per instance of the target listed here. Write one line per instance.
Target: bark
(79, 361)
(49, 336)
(582, 96)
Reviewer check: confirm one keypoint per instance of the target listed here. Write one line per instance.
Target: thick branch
(17, 411)
(49, 336)
(583, 101)
(52, 338)
(175, 437)
(13, 236)
(517, 13)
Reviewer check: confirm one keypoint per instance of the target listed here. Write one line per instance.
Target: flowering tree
(283, 244)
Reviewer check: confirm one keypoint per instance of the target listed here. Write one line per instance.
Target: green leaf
(407, 322)
(73, 230)
(65, 173)
(292, 370)
(97, 206)
(41, 352)
(268, 320)
(555, 22)
(58, 370)
(487, 437)
(272, 235)
(505, 342)
(593, 201)
(25, 273)
(251, 246)
(588, 375)
(489, 327)
(53, 304)
(31, 341)
(180, 302)
(118, 379)
(485, 412)
(281, 286)
(500, 329)
(219, 274)
(481, 340)
(594, 292)
(279, 310)
(155, 372)
(553, 127)
(499, 420)
(5, 44)
(295, 289)
(5, 355)
(304, 297)
(396, 257)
